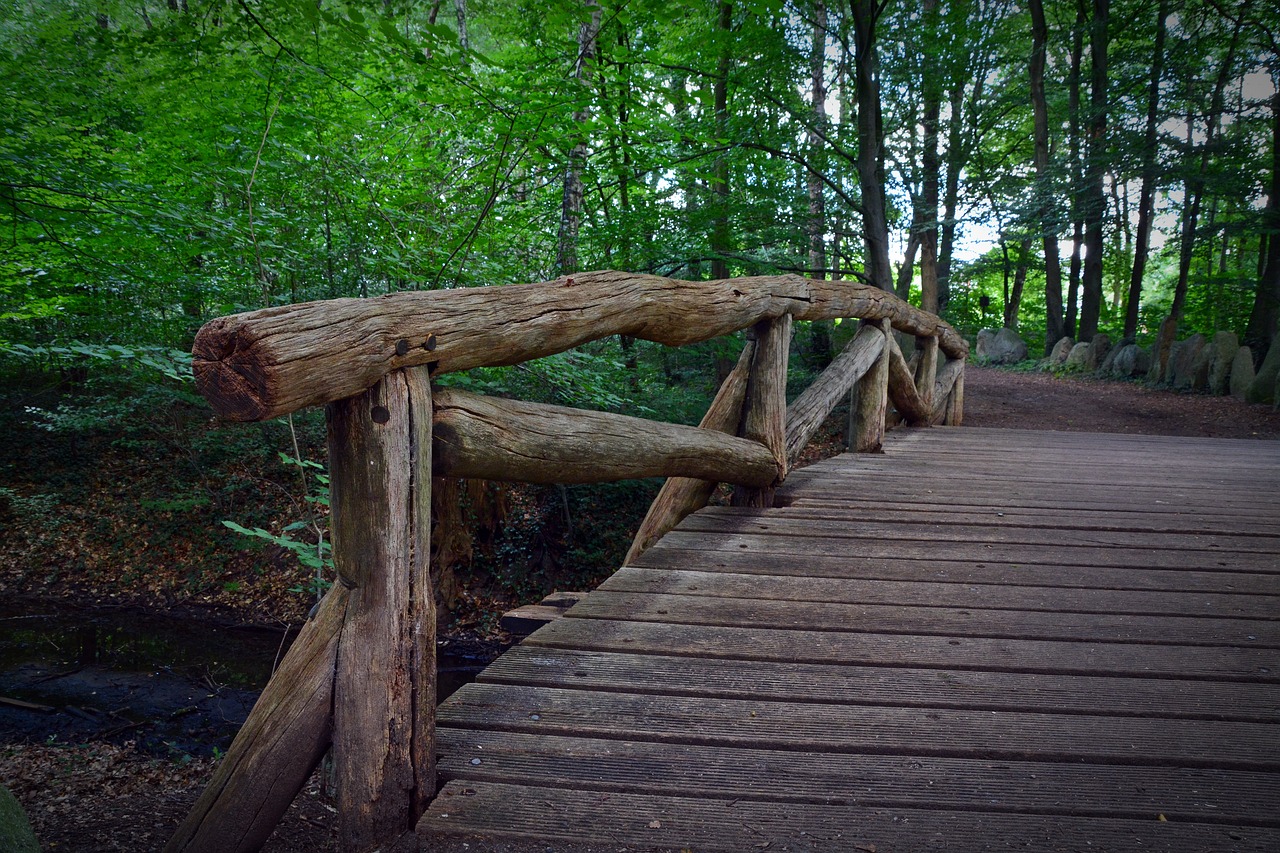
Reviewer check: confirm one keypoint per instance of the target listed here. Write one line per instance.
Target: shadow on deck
(981, 639)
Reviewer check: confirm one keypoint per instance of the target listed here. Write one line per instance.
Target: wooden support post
(764, 417)
(955, 401)
(384, 693)
(275, 750)
(926, 369)
(873, 402)
(902, 388)
(681, 496)
(948, 375)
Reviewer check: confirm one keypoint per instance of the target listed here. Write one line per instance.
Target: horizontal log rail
(262, 364)
(361, 677)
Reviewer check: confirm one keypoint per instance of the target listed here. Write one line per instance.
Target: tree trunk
(1195, 177)
(929, 297)
(720, 234)
(1095, 173)
(1266, 299)
(1054, 329)
(1076, 178)
(875, 225)
(571, 203)
(820, 332)
(1146, 195)
(1014, 302)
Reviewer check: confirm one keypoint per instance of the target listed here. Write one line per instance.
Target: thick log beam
(873, 401)
(384, 691)
(488, 438)
(948, 375)
(679, 497)
(276, 749)
(764, 413)
(902, 389)
(811, 408)
(262, 364)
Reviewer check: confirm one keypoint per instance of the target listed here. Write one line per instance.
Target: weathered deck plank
(1057, 641)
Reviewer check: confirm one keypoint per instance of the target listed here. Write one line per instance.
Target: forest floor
(112, 796)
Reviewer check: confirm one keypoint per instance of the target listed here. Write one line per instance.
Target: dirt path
(1002, 398)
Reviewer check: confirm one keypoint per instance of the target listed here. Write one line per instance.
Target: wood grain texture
(488, 438)
(732, 826)
(764, 411)
(812, 407)
(902, 389)
(379, 452)
(681, 496)
(948, 375)
(873, 402)
(262, 364)
(926, 372)
(977, 638)
(276, 749)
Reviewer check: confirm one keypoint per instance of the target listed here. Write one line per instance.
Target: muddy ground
(93, 794)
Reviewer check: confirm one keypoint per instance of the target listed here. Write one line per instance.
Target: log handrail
(369, 653)
(262, 364)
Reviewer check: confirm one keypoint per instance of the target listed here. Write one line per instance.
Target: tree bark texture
(764, 412)
(682, 496)
(1147, 192)
(926, 369)
(875, 223)
(1266, 301)
(1054, 328)
(571, 202)
(266, 363)
(487, 438)
(383, 701)
(811, 408)
(1095, 199)
(276, 749)
(929, 297)
(873, 402)
(720, 235)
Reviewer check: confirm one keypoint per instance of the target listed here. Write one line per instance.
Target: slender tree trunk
(1077, 178)
(820, 331)
(1014, 303)
(957, 155)
(929, 300)
(1054, 329)
(1266, 300)
(1196, 177)
(1095, 173)
(720, 234)
(1146, 195)
(875, 226)
(817, 82)
(571, 203)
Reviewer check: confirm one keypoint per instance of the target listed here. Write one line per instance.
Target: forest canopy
(1081, 165)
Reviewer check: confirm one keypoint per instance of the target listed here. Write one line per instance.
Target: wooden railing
(360, 678)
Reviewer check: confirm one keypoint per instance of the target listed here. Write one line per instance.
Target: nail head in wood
(380, 414)
(402, 347)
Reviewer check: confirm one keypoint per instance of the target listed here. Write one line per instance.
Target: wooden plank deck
(981, 639)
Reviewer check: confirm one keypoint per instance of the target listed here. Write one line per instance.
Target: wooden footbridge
(976, 639)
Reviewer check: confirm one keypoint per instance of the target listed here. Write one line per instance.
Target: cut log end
(228, 367)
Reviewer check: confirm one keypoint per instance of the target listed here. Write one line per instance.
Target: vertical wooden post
(873, 401)
(764, 416)
(955, 403)
(383, 699)
(926, 368)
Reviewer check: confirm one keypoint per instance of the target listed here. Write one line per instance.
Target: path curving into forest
(1006, 398)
